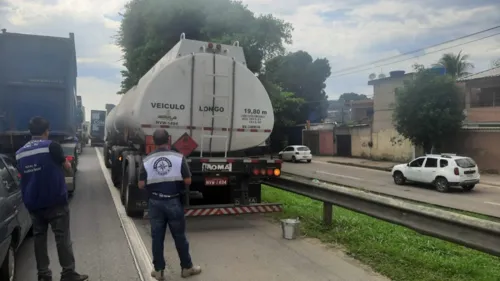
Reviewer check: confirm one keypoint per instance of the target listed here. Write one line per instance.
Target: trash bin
(290, 228)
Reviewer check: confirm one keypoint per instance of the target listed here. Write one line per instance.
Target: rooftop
(389, 78)
(490, 73)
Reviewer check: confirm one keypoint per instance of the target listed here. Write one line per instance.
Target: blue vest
(42, 180)
(163, 168)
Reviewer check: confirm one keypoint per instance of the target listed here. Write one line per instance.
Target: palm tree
(456, 65)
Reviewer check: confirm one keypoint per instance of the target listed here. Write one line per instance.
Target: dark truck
(37, 78)
(97, 120)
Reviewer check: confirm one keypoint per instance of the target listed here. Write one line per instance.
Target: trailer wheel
(129, 182)
(105, 154)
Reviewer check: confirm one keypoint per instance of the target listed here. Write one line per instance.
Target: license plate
(470, 175)
(216, 181)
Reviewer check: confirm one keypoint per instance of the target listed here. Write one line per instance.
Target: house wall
(326, 145)
(388, 144)
(360, 142)
(482, 146)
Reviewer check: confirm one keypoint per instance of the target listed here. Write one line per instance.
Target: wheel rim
(440, 185)
(12, 264)
(398, 178)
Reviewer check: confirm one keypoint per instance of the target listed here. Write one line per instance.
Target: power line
(415, 51)
(436, 51)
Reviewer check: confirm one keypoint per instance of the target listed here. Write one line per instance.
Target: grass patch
(394, 251)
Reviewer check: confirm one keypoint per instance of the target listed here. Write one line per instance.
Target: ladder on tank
(213, 115)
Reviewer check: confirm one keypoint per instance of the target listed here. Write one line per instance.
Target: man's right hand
(67, 166)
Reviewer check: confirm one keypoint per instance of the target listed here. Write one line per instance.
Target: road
(484, 199)
(244, 248)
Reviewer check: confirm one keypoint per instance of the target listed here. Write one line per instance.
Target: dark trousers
(168, 212)
(58, 219)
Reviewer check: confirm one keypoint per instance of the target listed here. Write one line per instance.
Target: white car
(296, 153)
(443, 171)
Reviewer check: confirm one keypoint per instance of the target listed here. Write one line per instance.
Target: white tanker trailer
(213, 107)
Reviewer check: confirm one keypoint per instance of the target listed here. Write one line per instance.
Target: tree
(456, 65)
(428, 110)
(298, 73)
(352, 96)
(150, 28)
(287, 106)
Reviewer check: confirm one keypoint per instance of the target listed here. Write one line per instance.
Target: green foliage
(151, 27)
(287, 106)
(298, 73)
(456, 65)
(346, 97)
(429, 109)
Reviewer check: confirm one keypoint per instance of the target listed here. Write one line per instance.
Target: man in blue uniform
(165, 174)
(41, 163)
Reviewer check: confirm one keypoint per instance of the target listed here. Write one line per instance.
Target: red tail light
(270, 172)
(18, 175)
(70, 158)
(256, 172)
(456, 171)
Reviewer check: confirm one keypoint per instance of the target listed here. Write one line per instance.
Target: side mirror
(408, 164)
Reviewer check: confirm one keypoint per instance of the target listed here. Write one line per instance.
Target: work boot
(158, 275)
(75, 277)
(44, 278)
(194, 270)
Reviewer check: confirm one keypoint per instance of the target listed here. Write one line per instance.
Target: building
(481, 130)
(361, 111)
(377, 138)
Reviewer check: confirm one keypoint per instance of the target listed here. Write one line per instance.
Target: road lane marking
(492, 203)
(140, 254)
(341, 176)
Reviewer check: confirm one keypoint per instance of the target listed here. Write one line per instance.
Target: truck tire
(129, 182)
(105, 155)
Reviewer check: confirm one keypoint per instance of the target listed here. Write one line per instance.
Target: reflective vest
(163, 168)
(42, 180)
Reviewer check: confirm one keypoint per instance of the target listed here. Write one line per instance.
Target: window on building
(485, 97)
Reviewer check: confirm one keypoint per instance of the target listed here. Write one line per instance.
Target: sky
(349, 33)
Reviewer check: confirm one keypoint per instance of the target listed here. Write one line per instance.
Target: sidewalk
(489, 179)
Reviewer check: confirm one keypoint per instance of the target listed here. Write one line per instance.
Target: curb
(386, 169)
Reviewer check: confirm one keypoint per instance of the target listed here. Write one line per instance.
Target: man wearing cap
(165, 174)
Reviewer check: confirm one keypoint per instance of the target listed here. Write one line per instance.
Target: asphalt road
(484, 199)
(244, 248)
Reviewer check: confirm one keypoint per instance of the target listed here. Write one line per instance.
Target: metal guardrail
(479, 234)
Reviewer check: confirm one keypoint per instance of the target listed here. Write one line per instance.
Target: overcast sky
(347, 32)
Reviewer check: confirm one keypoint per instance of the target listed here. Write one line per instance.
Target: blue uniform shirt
(42, 177)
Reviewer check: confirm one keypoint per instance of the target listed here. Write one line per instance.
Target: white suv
(442, 171)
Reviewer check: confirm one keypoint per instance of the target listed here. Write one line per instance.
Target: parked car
(443, 171)
(15, 220)
(296, 153)
(71, 152)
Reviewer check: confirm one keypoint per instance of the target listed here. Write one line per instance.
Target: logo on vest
(162, 166)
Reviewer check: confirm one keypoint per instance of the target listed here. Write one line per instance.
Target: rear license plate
(470, 175)
(216, 181)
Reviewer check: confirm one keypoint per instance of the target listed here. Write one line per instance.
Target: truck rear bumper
(230, 209)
